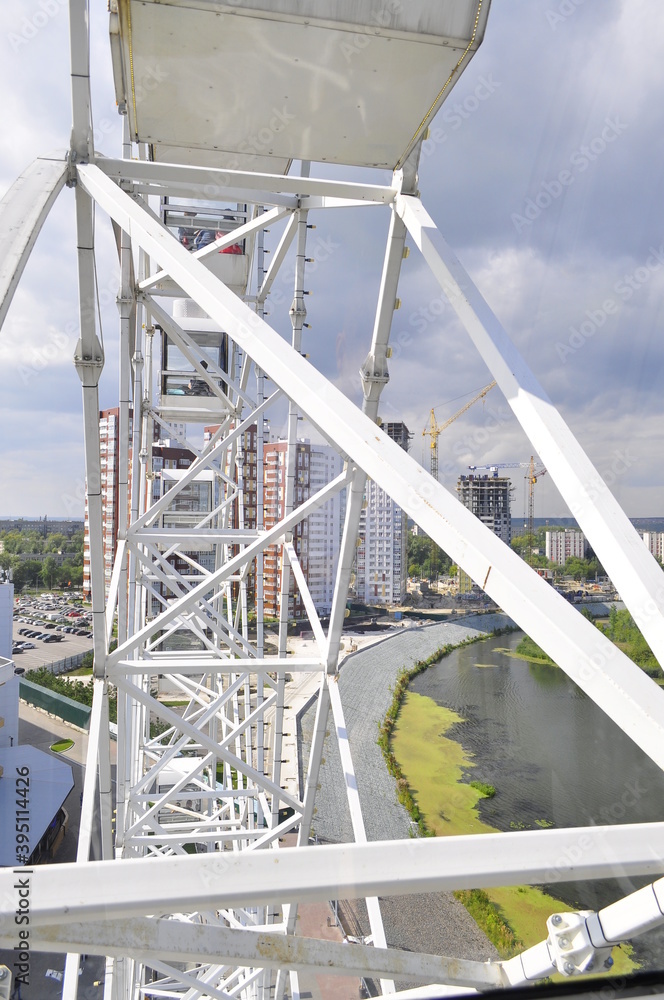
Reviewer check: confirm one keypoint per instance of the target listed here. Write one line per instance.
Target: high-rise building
(247, 463)
(316, 539)
(488, 498)
(325, 528)
(654, 540)
(381, 567)
(564, 545)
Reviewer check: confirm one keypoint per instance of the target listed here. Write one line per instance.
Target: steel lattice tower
(193, 896)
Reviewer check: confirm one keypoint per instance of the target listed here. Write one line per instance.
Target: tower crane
(534, 473)
(434, 428)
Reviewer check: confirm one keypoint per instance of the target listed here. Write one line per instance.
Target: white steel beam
(22, 213)
(375, 376)
(213, 665)
(616, 684)
(180, 941)
(82, 140)
(89, 362)
(215, 182)
(278, 258)
(622, 553)
(114, 889)
(355, 809)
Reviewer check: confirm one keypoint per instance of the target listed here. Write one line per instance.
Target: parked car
(28, 645)
(17, 649)
(19, 670)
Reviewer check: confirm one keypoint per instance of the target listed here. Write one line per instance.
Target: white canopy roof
(50, 782)
(256, 85)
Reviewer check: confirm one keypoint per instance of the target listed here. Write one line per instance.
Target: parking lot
(49, 616)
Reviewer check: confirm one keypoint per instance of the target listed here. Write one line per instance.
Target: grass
(530, 649)
(488, 791)
(60, 746)
(522, 656)
(175, 704)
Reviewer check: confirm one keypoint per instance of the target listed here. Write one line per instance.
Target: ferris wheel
(206, 834)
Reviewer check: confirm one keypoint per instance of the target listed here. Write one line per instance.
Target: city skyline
(541, 171)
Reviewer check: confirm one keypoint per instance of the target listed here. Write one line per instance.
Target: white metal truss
(194, 896)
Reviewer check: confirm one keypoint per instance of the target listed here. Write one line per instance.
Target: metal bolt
(556, 919)
(563, 942)
(569, 968)
(3, 972)
(608, 963)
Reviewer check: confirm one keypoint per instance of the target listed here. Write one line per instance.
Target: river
(553, 756)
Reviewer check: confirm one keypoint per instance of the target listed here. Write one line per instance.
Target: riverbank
(432, 772)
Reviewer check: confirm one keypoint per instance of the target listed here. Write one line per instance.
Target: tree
(49, 571)
(27, 572)
(56, 542)
(70, 575)
(425, 558)
(7, 560)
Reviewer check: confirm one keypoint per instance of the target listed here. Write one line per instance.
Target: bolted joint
(89, 363)
(298, 309)
(570, 943)
(72, 178)
(375, 369)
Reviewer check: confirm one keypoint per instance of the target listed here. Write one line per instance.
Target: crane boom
(434, 428)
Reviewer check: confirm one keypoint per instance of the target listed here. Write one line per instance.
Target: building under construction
(488, 497)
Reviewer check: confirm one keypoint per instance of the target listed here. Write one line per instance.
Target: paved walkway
(316, 920)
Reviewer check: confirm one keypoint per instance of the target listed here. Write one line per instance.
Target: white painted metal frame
(616, 684)
(212, 778)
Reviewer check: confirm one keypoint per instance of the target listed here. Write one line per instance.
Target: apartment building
(489, 499)
(563, 545)
(316, 539)
(381, 567)
(654, 541)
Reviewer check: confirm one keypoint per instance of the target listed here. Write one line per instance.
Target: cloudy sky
(543, 173)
